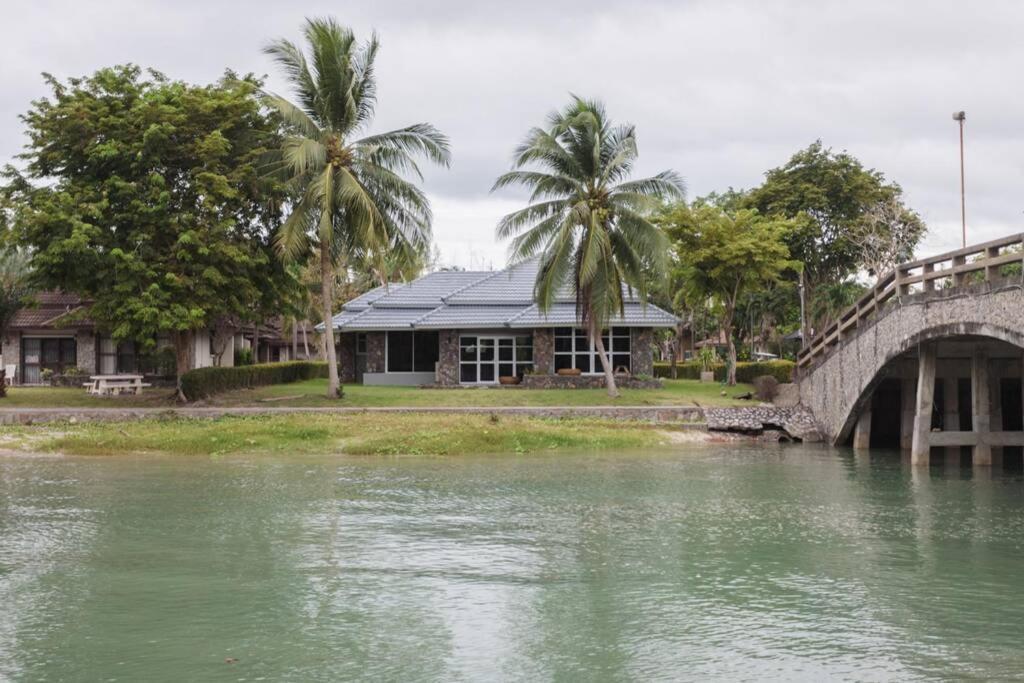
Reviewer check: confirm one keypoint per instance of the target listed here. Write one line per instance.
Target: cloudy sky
(719, 91)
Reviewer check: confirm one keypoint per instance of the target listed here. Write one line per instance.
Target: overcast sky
(719, 91)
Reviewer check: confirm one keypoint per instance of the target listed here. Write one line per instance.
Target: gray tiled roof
(364, 300)
(461, 300)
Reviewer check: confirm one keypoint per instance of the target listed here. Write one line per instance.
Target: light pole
(960, 117)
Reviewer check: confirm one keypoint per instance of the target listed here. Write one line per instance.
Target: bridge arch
(837, 387)
(964, 332)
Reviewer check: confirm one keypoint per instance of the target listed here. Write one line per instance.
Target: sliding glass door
(485, 358)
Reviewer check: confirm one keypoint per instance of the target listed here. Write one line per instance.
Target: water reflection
(714, 562)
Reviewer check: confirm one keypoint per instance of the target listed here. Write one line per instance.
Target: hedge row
(204, 382)
(781, 370)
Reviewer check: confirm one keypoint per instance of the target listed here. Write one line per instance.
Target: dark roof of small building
(54, 310)
(481, 299)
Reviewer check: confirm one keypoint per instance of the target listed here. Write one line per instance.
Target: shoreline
(363, 432)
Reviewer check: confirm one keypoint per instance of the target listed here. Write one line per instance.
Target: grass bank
(372, 434)
(311, 393)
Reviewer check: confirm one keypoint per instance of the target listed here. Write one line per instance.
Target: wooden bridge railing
(979, 263)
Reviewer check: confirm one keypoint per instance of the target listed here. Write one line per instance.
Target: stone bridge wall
(835, 387)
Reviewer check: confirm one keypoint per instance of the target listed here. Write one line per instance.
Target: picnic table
(110, 385)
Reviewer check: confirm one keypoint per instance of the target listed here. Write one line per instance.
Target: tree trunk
(609, 376)
(327, 294)
(295, 339)
(677, 349)
(305, 340)
(730, 377)
(182, 359)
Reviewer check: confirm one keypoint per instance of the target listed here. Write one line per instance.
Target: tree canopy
(148, 200)
(828, 193)
(726, 255)
(587, 221)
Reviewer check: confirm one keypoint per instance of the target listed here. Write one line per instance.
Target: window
(483, 359)
(411, 351)
(574, 350)
(361, 343)
(424, 351)
(118, 358)
(40, 353)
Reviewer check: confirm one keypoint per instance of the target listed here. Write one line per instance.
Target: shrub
(243, 357)
(204, 382)
(782, 370)
(766, 387)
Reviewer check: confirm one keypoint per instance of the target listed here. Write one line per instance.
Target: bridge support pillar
(908, 392)
(862, 432)
(980, 404)
(951, 418)
(920, 449)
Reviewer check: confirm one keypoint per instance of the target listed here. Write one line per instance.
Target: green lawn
(312, 393)
(675, 392)
(358, 434)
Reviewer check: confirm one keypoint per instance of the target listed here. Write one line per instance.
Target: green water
(708, 563)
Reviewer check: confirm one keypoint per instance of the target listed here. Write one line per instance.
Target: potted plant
(708, 357)
(46, 375)
(509, 380)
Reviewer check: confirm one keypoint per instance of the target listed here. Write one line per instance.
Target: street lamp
(960, 117)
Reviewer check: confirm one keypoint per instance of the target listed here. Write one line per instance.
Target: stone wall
(658, 414)
(585, 382)
(12, 352)
(448, 358)
(85, 343)
(836, 386)
(346, 344)
(544, 350)
(798, 422)
(641, 346)
(375, 350)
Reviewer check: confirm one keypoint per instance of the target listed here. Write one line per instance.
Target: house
(56, 334)
(471, 328)
(280, 341)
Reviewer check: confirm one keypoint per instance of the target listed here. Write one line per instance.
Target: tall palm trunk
(327, 295)
(609, 376)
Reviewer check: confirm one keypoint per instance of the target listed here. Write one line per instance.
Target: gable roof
(52, 309)
(477, 299)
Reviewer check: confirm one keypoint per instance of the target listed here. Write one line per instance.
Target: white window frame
(595, 359)
(497, 362)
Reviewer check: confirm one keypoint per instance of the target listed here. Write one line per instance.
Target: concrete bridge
(928, 360)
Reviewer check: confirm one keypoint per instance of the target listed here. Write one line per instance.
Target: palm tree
(586, 221)
(350, 196)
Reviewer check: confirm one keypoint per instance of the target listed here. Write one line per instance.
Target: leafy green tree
(831, 299)
(726, 256)
(15, 288)
(352, 203)
(148, 200)
(828, 195)
(587, 222)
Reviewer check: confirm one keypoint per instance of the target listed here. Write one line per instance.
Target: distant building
(56, 334)
(471, 328)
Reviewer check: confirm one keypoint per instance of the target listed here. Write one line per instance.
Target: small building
(56, 334)
(472, 328)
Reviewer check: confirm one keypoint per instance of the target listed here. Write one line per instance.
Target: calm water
(709, 563)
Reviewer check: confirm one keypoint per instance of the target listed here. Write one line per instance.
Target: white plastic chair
(9, 373)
